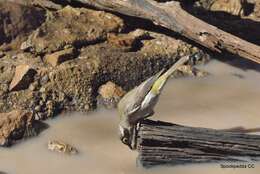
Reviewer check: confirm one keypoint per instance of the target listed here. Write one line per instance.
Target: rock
(37, 108)
(233, 7)
(33, 86)
(26, 45)
(72, 26)
(45, 4)
(121, 40)
(2, 54)
(3, 88)
(44, 96)
(161, 44)
(17, 21)
(22, 78)
(61, 147)
(14, 126)
(256, 13)
(110, 94)
(73, 86)
(40, 116)
(241, 8)
(41, 103)
(191, 71)
(61, 96)
(42, 90)
(44, 79)
(59, 57)
(130, 41)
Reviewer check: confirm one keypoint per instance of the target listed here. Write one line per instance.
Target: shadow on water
(237, 61)
(40, 126)
(2, 172)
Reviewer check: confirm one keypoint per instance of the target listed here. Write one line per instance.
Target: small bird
(139, 103)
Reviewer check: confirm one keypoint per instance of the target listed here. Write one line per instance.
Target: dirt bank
(54, 58)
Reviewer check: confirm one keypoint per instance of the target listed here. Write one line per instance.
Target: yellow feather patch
(158, 84)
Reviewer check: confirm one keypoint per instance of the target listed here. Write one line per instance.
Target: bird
(139, 102)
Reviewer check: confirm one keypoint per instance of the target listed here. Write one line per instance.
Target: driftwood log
(162, 143)
(170, 15)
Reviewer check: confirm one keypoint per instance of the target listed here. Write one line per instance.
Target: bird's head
(125, 136)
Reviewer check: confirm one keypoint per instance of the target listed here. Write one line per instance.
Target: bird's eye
(125, 140)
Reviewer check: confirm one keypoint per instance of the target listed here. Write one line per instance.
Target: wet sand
(228, 98)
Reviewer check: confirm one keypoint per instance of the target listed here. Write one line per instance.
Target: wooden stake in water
(162, 143)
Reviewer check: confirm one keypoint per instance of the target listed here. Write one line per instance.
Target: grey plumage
(139, 103)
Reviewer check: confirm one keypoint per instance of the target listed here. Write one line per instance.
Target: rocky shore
(56, 58)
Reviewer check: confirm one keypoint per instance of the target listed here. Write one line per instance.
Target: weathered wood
(162, 143)
(173, 17)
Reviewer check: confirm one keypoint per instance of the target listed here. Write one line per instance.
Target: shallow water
(222, 100)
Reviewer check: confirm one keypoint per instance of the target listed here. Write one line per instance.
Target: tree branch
(173, 17)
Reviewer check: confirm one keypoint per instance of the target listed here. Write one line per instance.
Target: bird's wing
(131, 102)
(159, 84)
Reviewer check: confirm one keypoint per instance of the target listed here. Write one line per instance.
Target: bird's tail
(159, 83)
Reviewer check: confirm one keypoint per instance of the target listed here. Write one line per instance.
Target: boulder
(22, 78)
(71, 26)
(14, 125)
(18, 21)
(125, 58)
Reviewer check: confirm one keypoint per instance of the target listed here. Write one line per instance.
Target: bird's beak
(130, 146)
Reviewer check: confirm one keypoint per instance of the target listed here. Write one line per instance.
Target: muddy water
(230, 97)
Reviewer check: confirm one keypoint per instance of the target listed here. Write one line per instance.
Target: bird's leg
(134, 131)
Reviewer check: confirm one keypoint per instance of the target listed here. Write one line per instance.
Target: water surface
(228, 98)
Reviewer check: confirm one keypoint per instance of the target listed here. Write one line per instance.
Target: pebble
(2, 54)
(44, 97)
(37, 108)
(42, 89)
(44, 79)
(32, 87)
